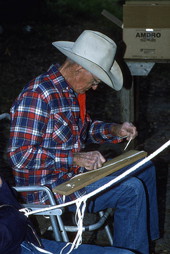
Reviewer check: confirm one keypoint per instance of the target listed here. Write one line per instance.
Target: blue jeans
(55, 248)
(135, 202)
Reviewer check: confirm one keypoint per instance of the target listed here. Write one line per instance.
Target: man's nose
(94, 87)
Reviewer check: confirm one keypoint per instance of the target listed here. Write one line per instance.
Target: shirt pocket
(64, 129)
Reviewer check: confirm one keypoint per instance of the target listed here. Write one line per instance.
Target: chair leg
(62, 229)
(107, 228)
(57, 234)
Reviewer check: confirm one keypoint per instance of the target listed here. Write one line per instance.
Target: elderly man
(50, 127)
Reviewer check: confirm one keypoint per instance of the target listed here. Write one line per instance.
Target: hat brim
(112, 78)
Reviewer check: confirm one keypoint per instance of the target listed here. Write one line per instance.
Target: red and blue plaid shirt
(46, 129)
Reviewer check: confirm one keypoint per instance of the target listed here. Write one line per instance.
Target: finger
(134, 133)
(95, 164)
(98, 164)
(102, 159)
(93, 160)
(131, 131)
(98, 157)
(89, 167)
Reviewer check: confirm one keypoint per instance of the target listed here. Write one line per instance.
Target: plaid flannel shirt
(46, 129)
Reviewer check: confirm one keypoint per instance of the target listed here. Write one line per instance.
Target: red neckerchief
(82, 104)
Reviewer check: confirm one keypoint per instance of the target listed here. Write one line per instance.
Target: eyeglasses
(95, 81)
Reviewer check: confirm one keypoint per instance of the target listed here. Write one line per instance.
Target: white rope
(81, 202)
(5, 115)
(25, 211)
(80, 211)
(29, 212)
(65, 247)
(150, 157)
(79, 216)
(78, 238)
(132, 169)
(40, 249)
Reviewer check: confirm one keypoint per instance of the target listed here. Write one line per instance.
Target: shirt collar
(57, 78)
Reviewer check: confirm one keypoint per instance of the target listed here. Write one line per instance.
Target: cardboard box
(146, 30)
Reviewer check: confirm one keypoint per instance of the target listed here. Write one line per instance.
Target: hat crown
(96, 47)
(95, 52)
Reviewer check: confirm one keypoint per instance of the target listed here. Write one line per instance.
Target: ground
(25, 54)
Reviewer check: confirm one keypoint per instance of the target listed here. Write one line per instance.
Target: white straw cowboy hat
(95, 52)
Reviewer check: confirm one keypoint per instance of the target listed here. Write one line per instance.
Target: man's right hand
(89, 160)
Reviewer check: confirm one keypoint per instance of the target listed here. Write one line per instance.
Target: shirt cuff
(70, 158)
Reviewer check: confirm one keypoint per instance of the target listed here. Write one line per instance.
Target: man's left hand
(126, 130)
